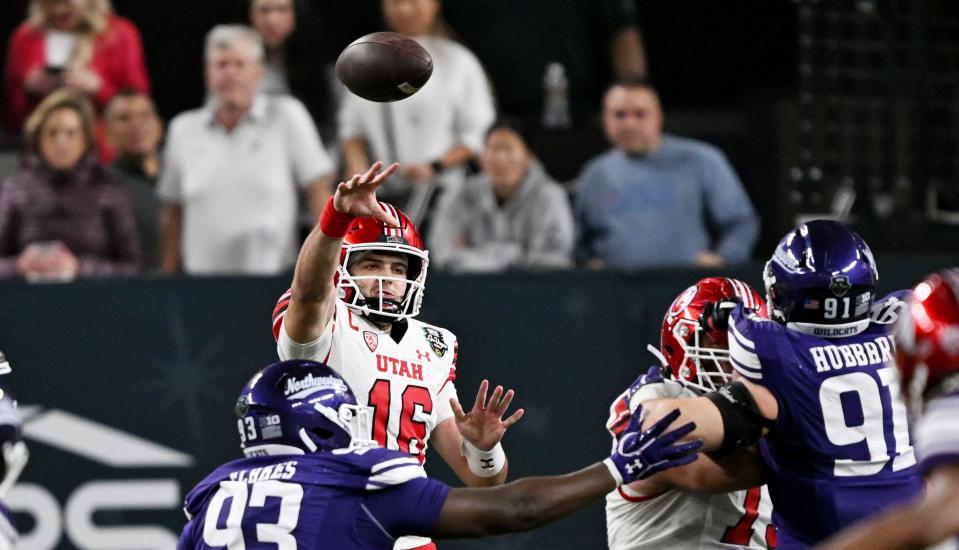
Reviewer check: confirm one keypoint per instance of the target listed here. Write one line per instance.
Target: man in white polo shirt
(233, 169)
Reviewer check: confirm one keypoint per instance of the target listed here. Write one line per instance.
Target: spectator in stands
(297, 62)
(77, 44)
(511, 215)
(652, 200)
(232, 169)
(63, 216)
(434, 133)
(134, 130)
(596, 41)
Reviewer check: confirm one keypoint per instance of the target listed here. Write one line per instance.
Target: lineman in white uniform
(358, 282)
(677, 509)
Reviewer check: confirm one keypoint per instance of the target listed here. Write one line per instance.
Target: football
(384, 66)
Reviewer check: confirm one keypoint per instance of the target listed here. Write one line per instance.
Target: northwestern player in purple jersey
(313, 478)
(819, 381)
(928, 359)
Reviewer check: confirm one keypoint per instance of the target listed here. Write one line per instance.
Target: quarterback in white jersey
(407, 383)
(927, 355)
(673, 509)
(357, 285)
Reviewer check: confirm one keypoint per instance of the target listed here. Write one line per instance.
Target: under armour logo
(422, 355)
(487, 463)
(634, 465)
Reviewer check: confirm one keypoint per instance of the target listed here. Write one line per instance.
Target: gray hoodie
(533, 229)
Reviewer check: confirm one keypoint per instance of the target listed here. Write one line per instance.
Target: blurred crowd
(105, 188)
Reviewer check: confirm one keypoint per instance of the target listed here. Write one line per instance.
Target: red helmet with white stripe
(695, 359)
(927, 336)
(369, 235)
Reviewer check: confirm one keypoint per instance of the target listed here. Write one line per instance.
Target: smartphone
(45, 247)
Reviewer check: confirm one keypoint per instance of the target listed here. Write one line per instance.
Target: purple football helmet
(298, 407)
(821, 277)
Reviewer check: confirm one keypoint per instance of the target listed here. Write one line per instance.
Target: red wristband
(334, 223)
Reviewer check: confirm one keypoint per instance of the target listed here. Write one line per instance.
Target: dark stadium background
(729, 73)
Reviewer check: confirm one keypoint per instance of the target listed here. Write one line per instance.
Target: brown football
(384, 66)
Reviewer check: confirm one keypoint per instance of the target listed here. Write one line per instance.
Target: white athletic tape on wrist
(484, 463)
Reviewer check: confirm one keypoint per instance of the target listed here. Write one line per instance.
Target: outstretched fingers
(664, 422)
(382, 176)
(683, 449)
(513, 418)
(384, 216)
(458, 411)
(501, 407)
(677, 434)
(480, 402)
(370, 174)
(494, 398)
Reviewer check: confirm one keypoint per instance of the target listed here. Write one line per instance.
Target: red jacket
(117, 59)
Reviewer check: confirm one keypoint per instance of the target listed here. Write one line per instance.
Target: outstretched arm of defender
(312, 293)
(729, 421)
(531, 502)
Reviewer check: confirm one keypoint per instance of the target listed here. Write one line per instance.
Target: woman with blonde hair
(77, 44)
(62, 215)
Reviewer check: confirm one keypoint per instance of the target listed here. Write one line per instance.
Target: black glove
(715, 316)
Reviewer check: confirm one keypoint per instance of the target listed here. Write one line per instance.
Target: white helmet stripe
(738, 291)
(747, 295)
(390, 230)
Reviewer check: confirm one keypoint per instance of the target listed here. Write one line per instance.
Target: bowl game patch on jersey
(436, 341)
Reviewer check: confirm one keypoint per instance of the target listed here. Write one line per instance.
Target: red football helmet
(365, 235)
(685, 346)
(368, 235)
(927, 336)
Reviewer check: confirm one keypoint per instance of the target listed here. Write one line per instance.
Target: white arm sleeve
(317, 350)
(443, 409)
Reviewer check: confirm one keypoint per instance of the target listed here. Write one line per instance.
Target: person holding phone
(76, 44)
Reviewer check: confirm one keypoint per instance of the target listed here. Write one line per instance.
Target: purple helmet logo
(839, 285)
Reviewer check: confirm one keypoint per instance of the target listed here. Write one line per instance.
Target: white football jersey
(685, 520)
(408, 383)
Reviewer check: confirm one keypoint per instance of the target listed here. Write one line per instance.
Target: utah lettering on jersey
(877, 352)
(399, 367)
